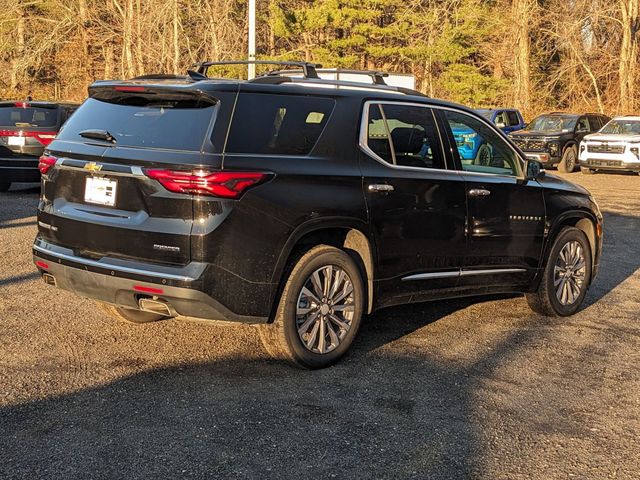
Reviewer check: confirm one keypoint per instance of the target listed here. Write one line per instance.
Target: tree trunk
(521, 11)
(628, 54)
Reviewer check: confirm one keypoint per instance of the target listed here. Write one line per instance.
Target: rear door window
(175, 123)
(404, 135)
(15, 116)
(513, 118)
(278, 124)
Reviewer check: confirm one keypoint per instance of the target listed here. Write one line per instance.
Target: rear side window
(278, 124)
(513, 118)
(404, 135)
(163, 123)
(15, 116)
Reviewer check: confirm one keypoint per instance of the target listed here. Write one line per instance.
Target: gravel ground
(477, 388)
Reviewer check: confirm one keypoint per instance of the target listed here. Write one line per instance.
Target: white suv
(615, 147)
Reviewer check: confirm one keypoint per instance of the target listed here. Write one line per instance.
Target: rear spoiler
(116, 91)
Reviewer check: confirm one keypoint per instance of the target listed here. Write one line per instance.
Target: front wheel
(320, 310)
(569, 160)
(566, 276)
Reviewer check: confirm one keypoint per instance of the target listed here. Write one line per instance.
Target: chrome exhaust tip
(156, 306)
(49, 279)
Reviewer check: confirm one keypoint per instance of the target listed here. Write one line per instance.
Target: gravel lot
(477, 388)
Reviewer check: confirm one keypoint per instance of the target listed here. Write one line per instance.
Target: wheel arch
(346, 234)
(580, 220)
(568, 144)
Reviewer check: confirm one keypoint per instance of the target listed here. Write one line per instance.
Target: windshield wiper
(98, 135)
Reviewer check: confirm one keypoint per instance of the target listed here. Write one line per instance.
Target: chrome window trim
(364, 129)
(118, 268)
(461, 273)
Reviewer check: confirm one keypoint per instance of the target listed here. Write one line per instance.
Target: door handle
(479, 192)
(382, 187)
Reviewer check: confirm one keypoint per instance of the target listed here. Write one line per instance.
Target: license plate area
(100, 191)
(16, 141)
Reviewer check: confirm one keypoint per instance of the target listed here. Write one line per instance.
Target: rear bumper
(19, 169)
(114, 281)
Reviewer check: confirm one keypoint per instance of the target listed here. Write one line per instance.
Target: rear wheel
(587, 171)
(320, 310)
(5, 186)
(130, 315)
(569, 160)
(566, 276)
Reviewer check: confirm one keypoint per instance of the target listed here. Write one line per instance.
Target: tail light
(216, 184)
(45, 163)
(45, 138)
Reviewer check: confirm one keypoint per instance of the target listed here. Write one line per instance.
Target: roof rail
(279, 79)
(308, 69)
(377, 77)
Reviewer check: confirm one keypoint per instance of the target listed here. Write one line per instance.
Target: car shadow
(376, 414)
(620, 259)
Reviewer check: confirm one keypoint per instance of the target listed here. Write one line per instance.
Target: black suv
(553, 139)
(26, 128)
(299, 204)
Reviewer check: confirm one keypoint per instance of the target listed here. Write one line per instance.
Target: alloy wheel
(570, 273)
(325, 309)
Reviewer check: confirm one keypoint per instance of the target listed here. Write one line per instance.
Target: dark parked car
(553, 139)
(299, 206)
(26, 128)
(508, 120)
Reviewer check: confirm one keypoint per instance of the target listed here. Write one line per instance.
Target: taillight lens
(216, 184)
(45, 163)
(45, 138)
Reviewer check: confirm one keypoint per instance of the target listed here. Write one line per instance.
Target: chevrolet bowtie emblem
(92, 167)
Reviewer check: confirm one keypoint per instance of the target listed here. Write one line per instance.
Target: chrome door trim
(491, 271)
(461, 273)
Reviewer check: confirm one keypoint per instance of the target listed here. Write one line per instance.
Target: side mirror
(535, 170)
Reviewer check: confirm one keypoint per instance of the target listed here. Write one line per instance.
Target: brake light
(129, 89)
(21, 104)
(45, 138)
(216, 184)
(142, 288)
(45, 163)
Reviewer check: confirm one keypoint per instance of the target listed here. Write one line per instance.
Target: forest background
(536, 55)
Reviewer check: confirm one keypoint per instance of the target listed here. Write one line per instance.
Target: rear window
(278, 124)
(152, 122)
(13, 116)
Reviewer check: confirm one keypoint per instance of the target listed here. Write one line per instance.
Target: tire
(587, 171)
(484, 155)
(130, 315)
(569, 160)
(5, 186)
(300, 314)
(549, 299)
